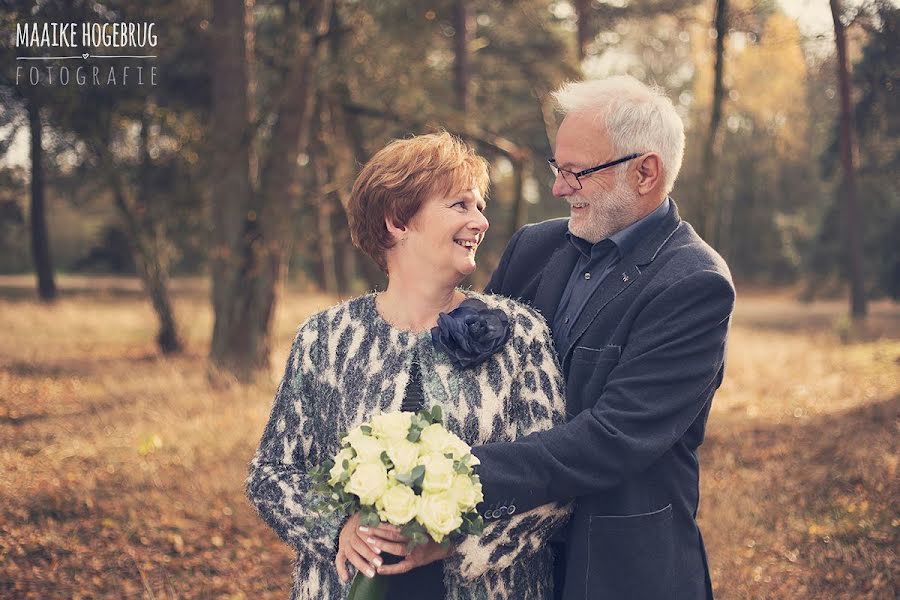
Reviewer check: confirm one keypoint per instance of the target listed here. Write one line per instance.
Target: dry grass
(121, 472)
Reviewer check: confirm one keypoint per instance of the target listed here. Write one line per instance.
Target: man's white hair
(638, 118)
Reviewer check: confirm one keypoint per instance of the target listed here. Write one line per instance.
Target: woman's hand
(352, 547)
(387, 538)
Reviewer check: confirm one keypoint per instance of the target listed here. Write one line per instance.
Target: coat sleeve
(278, 482)
(667, 373)
(536, 403)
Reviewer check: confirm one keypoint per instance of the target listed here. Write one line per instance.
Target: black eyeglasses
(573, 179)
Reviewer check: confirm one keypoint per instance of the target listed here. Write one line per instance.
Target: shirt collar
(624, 240)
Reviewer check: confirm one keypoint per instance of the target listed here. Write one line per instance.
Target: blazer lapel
(625, 274)
(554, 279)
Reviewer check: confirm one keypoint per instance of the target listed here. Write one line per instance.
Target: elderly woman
(417, 209)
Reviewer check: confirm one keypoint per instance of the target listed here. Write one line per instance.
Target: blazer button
(512, 509)
(487, 515)
(502, 510)
(496, 514)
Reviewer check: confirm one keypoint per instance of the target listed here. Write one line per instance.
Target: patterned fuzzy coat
(347, 364)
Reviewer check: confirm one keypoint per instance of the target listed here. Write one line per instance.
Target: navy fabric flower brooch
(471, 332)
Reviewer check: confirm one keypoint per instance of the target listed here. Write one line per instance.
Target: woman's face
(444, 235)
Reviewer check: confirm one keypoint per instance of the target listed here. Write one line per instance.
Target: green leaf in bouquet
(414, 434)
(437, 415)
(415, 533)
(366, 429)
(473, 523)
(413, 478)
(418, 474)
(417, 539)
(369, 516)
(386, 460)
(461, 466)
(413, 527)
(422, 419)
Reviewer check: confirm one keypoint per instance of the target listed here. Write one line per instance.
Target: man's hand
(352, 546)
(387, 538)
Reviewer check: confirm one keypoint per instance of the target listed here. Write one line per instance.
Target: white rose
(392, 426)
(439, 472)
(355, 433)
(398, 505)
(368, 449)
(404, 454)
(435, 438)
(458, 447)
(466, 492)
(439, 514)
(368, 481)
(338, 469)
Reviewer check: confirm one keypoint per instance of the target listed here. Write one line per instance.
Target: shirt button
(587, 275)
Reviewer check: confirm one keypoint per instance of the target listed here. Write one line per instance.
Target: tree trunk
(40, 240)
(335, 148)
(710, 201)
(519, 206)
(151, 268)
(462, 22)
(230, 183)
(154, 257)
(582, 9)
(858, 307)
(253, 231)
(327, 246)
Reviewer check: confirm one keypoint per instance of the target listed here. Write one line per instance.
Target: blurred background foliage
(241, 158)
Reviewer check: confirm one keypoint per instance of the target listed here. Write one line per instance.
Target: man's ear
(649, 173)
(398, 232)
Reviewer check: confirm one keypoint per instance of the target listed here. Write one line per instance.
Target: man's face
(606, 202)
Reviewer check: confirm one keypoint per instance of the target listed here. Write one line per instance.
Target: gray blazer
(644, 360)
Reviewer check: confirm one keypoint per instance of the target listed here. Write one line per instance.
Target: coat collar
(554, 279)
(625, 274)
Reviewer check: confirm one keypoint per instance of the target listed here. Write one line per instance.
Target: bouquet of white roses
(405, 469)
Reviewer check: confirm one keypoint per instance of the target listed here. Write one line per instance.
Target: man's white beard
(609, 212)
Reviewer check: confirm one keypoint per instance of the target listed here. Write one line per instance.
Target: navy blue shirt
(595, 262)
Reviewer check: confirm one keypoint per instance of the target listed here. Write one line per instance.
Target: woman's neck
(415, 305)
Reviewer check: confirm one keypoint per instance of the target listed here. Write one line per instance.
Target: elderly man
(640, 309)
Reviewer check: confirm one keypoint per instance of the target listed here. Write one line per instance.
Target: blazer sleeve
(278, 482)
(535, 405)
(668, 371)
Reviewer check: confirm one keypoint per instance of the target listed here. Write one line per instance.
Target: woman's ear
(398, 232)
(649, 172)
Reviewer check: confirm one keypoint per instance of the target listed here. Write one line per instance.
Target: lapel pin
(625, 277)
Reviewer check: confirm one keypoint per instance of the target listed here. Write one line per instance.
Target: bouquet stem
(365, 588)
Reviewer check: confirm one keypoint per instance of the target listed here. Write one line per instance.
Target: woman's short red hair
(401, 177)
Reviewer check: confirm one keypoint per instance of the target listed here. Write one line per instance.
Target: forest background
(159, 243)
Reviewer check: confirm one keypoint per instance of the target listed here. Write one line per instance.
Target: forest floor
(122, 471)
